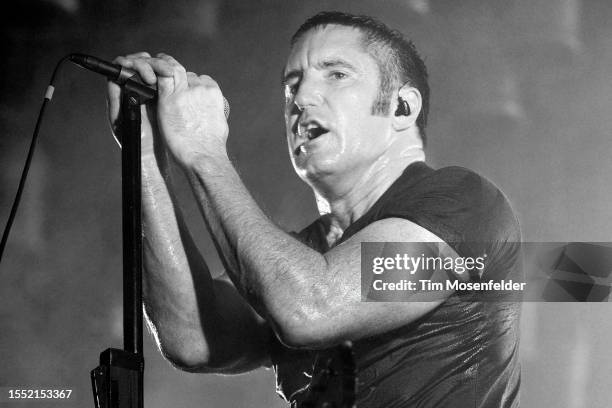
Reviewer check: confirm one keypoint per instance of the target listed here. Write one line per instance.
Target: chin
(314, 170)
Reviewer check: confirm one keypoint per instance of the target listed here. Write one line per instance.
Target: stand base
(117, 381)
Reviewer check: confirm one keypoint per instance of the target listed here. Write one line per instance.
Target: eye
(338, 75)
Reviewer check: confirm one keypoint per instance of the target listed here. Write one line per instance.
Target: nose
(309, 94)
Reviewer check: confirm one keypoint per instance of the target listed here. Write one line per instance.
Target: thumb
(113, 110)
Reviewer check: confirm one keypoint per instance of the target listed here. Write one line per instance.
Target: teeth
(308, 128)
(308, 131)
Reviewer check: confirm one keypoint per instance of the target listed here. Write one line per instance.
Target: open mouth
(309, 131)
(315, 131)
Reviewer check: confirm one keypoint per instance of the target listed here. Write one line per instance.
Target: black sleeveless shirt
(464, 353)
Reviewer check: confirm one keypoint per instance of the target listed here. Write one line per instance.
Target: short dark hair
(397, 58)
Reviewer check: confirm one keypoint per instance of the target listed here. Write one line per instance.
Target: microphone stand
(118, 381)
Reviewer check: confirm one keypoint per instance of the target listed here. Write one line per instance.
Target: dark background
(520, 92)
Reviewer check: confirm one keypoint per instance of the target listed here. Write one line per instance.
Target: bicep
(355, 308)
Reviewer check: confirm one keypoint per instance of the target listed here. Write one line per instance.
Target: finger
(143, 68)
(113, 103)
(170, 59)
(163, 70)
(124, 61)
(179, 71)
(192, 79)
(155, 70)
(211, 85)
(113, 100)
(214, 92)
(141, 64)
(113, 107)
(208, 80)
(121, 59)
(142, 54)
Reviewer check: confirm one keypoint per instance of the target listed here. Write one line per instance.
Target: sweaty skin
(345, 153)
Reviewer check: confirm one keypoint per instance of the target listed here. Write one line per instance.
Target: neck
(355, 194)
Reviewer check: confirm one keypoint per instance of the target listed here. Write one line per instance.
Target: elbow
(298, 339)
(187, 352)
(193, 362)
(192, 358)
(198, 358)
(187, 365)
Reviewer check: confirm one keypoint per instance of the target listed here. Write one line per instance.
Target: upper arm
(340, 314)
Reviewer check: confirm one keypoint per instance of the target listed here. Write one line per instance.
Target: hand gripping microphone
(123, 76)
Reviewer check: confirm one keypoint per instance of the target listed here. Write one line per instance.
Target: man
(356, 101)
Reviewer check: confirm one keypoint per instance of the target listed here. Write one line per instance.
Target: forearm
(191, 325)
(283, 278)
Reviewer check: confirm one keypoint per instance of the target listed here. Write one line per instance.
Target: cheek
(355, 122)
(357, 108)
(288, 131)
(364, 135)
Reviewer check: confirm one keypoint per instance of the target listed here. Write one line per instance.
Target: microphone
(123, 76)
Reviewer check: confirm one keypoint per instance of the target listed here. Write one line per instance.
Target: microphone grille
(226, 108)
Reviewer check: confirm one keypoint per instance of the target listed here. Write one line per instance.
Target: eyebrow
(326, 64)
(335, 63)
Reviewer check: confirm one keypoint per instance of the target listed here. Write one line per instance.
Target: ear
(406, 118)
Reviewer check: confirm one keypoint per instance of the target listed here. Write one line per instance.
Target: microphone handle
(133, 83)
(124, 77)
(116, 73)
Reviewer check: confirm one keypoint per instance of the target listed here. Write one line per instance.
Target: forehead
(328, 42)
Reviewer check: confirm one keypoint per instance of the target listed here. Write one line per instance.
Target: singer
(356, 105)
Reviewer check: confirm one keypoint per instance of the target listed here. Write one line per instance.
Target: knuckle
(215, 90)
(141, 65)
(140, 54)
(121, 60)
(209, 82)
(211, 91)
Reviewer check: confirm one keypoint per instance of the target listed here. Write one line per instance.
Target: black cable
(26, 167)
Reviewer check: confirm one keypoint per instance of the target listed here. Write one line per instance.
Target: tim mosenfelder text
(458, 265)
